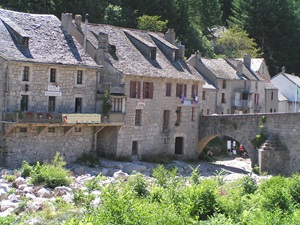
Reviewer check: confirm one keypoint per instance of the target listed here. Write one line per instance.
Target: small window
(245, 96)
(79, 76)
(52, 75)
(203, 95)
(207, 112)
(272, 96)
(193, 114)
(116, 105)
(223, 98)
(51, 129)
(25, 76)
(24, 103)
(168, 89)
(181, 90)
(148, 90)
(224, 84)
(271, 110)
(134, 148)
(78, 129)
(178, 114)
(51, 104)
(138, 117)
(153, 54)
(135, 89)
(23, 129)
(194, 91)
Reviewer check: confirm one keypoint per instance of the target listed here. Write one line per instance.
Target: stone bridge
(244, 128)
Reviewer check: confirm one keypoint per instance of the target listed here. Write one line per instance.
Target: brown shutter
(131, 88)
(139, 90)
(144, 90)
(185, 88)
(177, 90)
(151, 90)
(196, 90)
(192, 93)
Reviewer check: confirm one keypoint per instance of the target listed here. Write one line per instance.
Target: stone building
(44, 75)
(152, 89)
(238, 88)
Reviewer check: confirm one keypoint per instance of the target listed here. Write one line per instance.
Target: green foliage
(151, 23)
(293, 184)
(52, 174)
(94, 183)
(249, 185)
(260, 138)
(235, 43)
(26, 169)
(88, 160)
(139, 184)
(106, 106)
(255, 169)
(7, 220)
(9, 178)
(163, 175)
(195, 178)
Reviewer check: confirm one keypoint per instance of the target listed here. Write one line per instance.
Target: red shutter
(185, 88)
(131, 88)
(151, 90)
(144, 90)
(196, 90)
(177, 90)
(139, 90)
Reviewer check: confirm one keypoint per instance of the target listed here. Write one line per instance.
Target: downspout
(85, 32)
(6, 90)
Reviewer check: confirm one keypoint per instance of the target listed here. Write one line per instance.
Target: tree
(235, 43)
(151, 23)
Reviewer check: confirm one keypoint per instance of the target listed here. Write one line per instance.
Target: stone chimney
(66, 22)
(170, 36)
(181, 51)
(247, 60)
(283, 70)
(78, 19)
(198, 55)
(239, 68)
(102, 50)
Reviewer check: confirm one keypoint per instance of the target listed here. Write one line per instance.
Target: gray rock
(60, 191)
(120, 175)
(43, 192)
(3, 194)
(19, 181)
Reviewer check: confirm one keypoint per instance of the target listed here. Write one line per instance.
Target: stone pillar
(247, 60)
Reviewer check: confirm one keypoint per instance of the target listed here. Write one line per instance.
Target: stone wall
(33, 147)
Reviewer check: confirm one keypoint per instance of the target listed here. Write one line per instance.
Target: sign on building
(81, 118)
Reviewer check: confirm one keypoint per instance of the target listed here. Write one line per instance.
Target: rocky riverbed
(13, 193)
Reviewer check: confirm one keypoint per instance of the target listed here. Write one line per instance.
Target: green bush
(26, 169)
(9, 178)
(249, 185)
(139, 184)
(52, 175)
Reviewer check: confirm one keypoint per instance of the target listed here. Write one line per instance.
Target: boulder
(60, 191)
(3, 194)
(120, 175)
(43, 192)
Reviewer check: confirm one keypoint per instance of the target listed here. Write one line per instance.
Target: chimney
(283, 70)
(247, 60)
(85, 31)
(78, 19)
(198, 55)
(170, 36)
(239, 68)
(102, 47)
(66, 22)
(181, 51)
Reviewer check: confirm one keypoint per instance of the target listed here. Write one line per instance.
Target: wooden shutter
(185, 88)
(151, 90)
(144, 90)
(177, 90)
(131, 89)
(139, 90)
(196, 90)
(192, 92)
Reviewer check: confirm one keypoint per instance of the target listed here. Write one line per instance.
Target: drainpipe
(6, 90)
(85, 31)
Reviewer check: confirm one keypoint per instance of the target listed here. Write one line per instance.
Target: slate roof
(131, 61)
(246, 72)
(220, 68)
(47, 42)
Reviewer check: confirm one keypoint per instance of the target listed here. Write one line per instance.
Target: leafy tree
(151, 23)
(235, 43)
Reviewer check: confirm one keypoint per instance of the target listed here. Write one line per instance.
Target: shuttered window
(135, 89)
(168, 89)
(181, 90)
(148, 90)
(194, 92)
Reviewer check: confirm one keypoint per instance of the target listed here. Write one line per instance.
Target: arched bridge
(285, 127)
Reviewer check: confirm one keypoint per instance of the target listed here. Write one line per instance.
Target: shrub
(138, 184)
(88, 160)
(9, 178)
(52, 175)
(162, 175)
(249, 185)
(26, 169)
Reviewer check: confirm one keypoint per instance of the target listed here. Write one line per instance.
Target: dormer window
(113, 49)
(25, 41)
(152, 53)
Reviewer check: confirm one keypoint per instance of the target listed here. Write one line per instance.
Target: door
(179, 145)
(78, 102)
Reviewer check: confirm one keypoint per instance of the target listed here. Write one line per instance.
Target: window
(166, 119)
(51, 104)
(224, 84)
(245, 96)
(77, 129)
(52, 75)
(24, 103)
(193, 113)
(168, 89)
(116, 105)
(271, 110)
(223, 98)
(23, 129)
(51, 129)
(272, 96)
(138, 117)
(134, 148)
(274, 110)
(207, 112)
(179, 145)
(79, 77)
(178, 114)
(148, 90)
(194, 92)
(25, 76)
(78, 103)
(181, 90)
(135, 89)
(153, 54)
(203, 95)
(256, 99)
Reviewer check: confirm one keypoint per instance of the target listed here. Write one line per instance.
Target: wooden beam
(95, 137)
(42, 130)
(7, 129)
(68, 130)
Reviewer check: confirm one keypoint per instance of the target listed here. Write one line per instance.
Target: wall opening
(179, 145)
